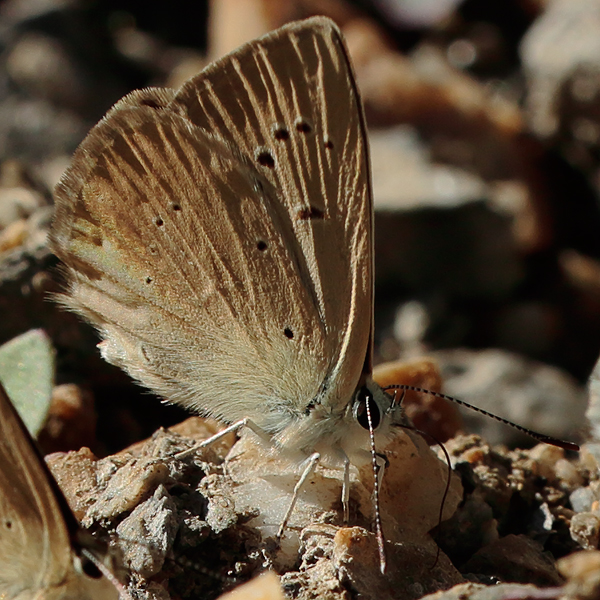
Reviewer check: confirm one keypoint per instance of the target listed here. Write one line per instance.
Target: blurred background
(484, 126)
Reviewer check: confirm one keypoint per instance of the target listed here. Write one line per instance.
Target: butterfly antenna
(106, 572)
(540, 437)
(380, 542)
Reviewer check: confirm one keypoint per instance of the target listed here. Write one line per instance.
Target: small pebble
(585, 530)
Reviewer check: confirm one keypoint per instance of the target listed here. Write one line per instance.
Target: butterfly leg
(346, 489)
(311, 463)
(261, 433)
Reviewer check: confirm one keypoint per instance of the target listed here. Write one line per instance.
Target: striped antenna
(540, 437)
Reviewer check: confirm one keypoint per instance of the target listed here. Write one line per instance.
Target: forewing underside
(177, 251)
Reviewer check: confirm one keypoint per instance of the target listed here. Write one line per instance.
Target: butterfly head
(378, 405)
(349, 429)
(383, 412)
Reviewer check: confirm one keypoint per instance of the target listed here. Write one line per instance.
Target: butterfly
(43, 553)
(220, 238)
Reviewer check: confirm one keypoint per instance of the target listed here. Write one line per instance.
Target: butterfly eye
(364, 395)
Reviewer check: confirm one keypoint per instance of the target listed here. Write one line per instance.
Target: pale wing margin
(35, 549)
(291, 97)
(180, 253)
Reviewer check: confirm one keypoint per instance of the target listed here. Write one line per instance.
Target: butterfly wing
(35, 550)
(225, 272)
(36, 557)
(290, 104)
